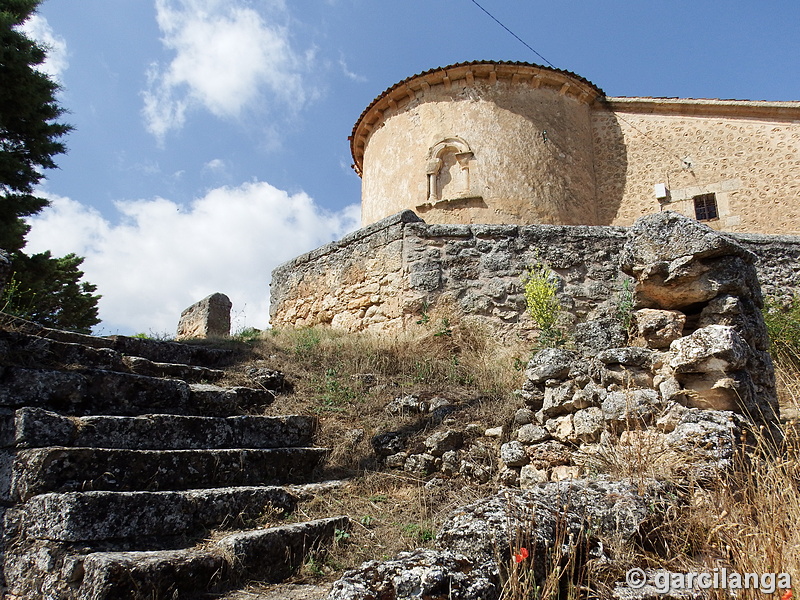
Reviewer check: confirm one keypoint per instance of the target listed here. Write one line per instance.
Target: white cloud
(350, 74)
(216, 164)
(39, 29)
(161, 257)
(227, 57)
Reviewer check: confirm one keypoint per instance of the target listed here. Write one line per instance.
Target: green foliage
(305, 340)
(49, 291)
(782, 317)
(29, 131)
(420, 532)
(424, 317)
(543, 306)
(247, 335)
(625, 304)
(44, 289)
(340, 536)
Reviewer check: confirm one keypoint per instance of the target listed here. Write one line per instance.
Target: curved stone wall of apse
(480, 143)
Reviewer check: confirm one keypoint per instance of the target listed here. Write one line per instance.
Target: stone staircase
(126, 473)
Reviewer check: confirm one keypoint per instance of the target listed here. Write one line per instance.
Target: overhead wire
(512, 33)
(529, 47)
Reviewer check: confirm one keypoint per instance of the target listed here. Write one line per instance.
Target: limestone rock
(407, 405)
(474, 430)
(667, 236)
(513, 454)
(443, 441)
(530, 476)
(588, 424)
(653, 588)
(659, 328)
(532, 434)
(712, 348)
(562, 428)
(630, 408)
(564, 473)
(270, 379)
(493, 525)
(628, 355)
(740, 313)
(550, 363)
(598, 334)
(711, 438)
(718, 391)
(210, 317)
(558, 400)
(524, 416)
(420, 464)
(679, 262)
(386, 444)
(509, 477)
(420, 575)
(494, 432)
(549, 454)
(450, 462)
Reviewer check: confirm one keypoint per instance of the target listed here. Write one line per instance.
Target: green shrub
(782, 318)
(625, 304)
(543, 306)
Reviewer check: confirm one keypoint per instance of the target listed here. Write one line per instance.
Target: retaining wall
(386, 275)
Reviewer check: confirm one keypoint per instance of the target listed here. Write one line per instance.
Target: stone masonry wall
(383, 277)
(751, 163)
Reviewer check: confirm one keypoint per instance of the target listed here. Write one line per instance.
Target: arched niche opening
(448, 171)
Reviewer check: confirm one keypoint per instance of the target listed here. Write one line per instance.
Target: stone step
(141, 516)
(155, 350)
(58, 469)
(28, 350)
(267, 555)
(39, 428)
(188, 373)
(102, 392)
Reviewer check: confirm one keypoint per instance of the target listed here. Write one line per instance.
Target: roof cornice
(707, 107)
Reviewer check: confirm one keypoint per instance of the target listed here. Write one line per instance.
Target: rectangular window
(705, 207)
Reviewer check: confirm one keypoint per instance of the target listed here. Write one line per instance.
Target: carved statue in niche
(448, 170)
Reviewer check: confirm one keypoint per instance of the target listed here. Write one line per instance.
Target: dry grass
(749, 522)
(390, 511)
(347, 379)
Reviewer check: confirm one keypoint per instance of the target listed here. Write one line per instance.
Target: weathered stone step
(265, 554)
(57, 469)
(29, 350)
(102, 392)
(154, 350)
(188, 373)
(96, 516)
(39, 428)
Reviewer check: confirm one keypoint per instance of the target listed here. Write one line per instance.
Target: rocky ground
(468, 466)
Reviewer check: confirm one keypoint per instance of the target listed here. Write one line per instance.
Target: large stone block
(210, 317)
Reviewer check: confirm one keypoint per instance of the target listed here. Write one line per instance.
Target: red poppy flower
(522, 555)
(787, 595)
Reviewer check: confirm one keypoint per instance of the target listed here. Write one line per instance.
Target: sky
(210, 140)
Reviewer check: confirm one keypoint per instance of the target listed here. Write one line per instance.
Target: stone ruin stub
(210, 317)
(5, 269)
(721, 361)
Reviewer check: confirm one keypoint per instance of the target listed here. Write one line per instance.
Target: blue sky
(210, 140)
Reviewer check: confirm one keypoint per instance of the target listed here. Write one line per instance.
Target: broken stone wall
(383, 277)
